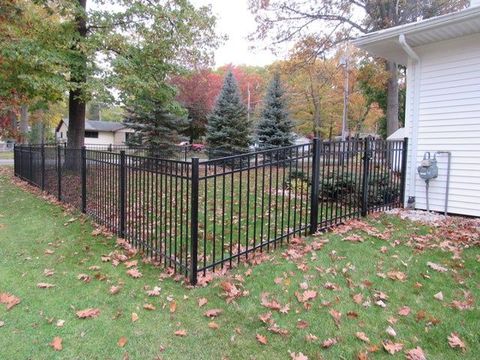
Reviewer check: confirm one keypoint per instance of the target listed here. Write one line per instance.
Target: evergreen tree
(156, 126)
(228, 129)
(274, 128)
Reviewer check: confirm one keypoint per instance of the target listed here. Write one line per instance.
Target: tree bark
(392, 98)
(76, 98)
(23, 123)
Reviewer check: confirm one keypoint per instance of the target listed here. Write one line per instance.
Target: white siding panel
(449, 119)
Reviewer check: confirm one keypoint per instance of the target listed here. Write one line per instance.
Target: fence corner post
(194, 221)
(59, 172)
(122, 195)
(404, 171)
(42, 165)
(84, 179)
(317, 146)
(366, 175)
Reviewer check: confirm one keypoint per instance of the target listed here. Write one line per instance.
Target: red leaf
(122, 341)
(404, 311)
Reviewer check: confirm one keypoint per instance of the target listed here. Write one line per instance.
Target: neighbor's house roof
(386, 44)
(96, 125)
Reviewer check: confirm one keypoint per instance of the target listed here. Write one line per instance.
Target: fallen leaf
(416, 354)
(134, 273)
(149, 307)
(311, 337)
(56, 343)
(88, 313)
(404, 311)
(438, 296)
(60, 323)
(328, 343)
(336, 315)
(397, 275)
(181, 333)
(45, 285)
(213, 313)
(202, 301)
(358, 298)
(390, 331)
(265, 318)
(173, 306)
(299, 356)
(84, 277)
(134, 317)
(455, 342)
(9, 300)
(213, 325)
(354, 238)
(130, 264)
(392, 347)
(362, 336)
(122, 341)
(262, 339)
(114, 289)
(154, 292)
(48, 272)
(437, 267)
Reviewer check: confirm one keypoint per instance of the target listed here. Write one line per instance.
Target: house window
(91, 134)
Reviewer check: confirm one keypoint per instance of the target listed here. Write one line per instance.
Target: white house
(97, 132)
(442, 56)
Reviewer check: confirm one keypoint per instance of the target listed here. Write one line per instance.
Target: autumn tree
(196, 92)
(274, 128)
(228, 129)
(331, 22)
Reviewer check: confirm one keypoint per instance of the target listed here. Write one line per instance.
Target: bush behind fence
(199, 215)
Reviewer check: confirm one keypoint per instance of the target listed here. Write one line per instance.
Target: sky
(237, 22)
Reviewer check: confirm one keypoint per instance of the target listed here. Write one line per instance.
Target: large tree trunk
(392, 98)
(76, 99)
(23, 123)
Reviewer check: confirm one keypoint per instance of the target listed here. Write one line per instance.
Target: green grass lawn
(29, 226)
(6, 155)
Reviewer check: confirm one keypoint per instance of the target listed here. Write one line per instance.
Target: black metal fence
(198, 215)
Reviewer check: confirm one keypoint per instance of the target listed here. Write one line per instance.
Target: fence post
(317, 146)
(84, 179)
(59, 172)
(366, 175)
(194, 222)
(404, 171)
(42, 154)
(122, 194)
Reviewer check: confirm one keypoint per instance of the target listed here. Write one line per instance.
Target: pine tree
(274, 128)
(228, 129)
(156, 126)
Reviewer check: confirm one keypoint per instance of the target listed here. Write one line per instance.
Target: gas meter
(428, 168)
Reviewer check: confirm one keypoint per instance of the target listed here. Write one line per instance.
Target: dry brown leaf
(336, 315)
(9, 300)
(202, 301)
(181, 333)
(329, 343)
(397, 275)
(122, 341)
(262, 339)
(48, 272)
(154, 292)
(437, 267)
(404, 311)
(455, 342)
(84, 277)
(42, 285)
(212, 313)
(299, 356)
(134, 317)
(416, 354)
(311, 337)
(149, 307)
(56, 343)
(130, 264)
(134, 273)
(88, 313)
(265, 318)
(362, 336)
(114, 289)
(438, 296)
(213, 325)
(392, 347)
(173, 306)
(362, 355)
(354, 238)
(358, 298)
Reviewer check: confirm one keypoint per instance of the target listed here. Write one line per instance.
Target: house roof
(96, 125)
(385, 43)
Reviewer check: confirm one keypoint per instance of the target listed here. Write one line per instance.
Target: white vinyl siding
(448, 120)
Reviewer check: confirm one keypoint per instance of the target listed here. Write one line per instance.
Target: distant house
(97, 132)
(442, 56)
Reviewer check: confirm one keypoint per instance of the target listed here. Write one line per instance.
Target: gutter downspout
(413, 144)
